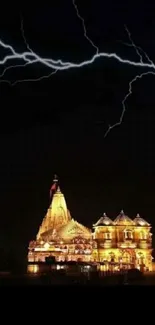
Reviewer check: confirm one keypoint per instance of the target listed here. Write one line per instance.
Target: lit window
(108, 235)
(143, 235)
(128, 234)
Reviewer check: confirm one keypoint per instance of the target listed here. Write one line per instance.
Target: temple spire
(57, 214)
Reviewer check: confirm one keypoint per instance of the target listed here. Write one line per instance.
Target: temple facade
(123, 243)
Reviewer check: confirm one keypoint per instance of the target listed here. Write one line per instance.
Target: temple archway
(141, 258)
(111, 257)
(127, 256)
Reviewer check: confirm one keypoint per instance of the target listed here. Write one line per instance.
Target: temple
(119, 244)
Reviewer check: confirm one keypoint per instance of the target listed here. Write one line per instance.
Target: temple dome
(140, 221)
(123, 220)
(104, 221)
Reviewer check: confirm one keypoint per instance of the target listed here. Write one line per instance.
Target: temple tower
(57, 214)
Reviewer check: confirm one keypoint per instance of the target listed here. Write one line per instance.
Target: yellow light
(102, 268)
(58, 267)
(33, 268)
(47, 245)
(40, 249)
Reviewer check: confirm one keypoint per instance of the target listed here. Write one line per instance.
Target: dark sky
(57, 125)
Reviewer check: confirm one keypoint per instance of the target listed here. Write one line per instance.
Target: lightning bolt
(125, 98)
(28, 47)
(138, 49)
(84, 27)
(133, 44)
(24, 64)
(30, 57)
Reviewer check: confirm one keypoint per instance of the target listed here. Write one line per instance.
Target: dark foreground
(59, 279)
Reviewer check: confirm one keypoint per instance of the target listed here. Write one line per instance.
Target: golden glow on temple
(119, 244)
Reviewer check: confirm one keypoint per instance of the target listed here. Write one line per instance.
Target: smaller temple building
(123, 243)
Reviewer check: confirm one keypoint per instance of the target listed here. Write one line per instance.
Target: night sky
(57, 125)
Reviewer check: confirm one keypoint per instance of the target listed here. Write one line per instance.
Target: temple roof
(74, 229)
(103, 221)
(71, 230)
(140, 221)
(123, 220)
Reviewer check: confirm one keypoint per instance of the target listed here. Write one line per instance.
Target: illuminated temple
(119, 244)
